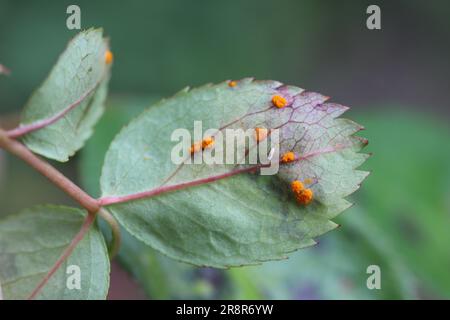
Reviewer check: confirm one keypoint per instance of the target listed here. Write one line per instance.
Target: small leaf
(31, 241)
(71, 98)
(246, 218)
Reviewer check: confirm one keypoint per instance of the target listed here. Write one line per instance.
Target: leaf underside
(31, 242)
(247, 218)
(80, 75)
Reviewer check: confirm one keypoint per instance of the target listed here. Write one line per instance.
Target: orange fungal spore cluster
(232, 84)
(279, 101)
(261, 134)
(109, 57)
(206, 143)
(302, 195)
(288, 157)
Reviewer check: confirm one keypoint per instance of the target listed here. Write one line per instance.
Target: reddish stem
(146, 194)
(22, 152)
(105, 201)
(66, 253)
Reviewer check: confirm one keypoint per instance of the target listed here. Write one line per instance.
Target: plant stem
(66, 253)
(115, 231)
(151, 193)
(19, 150)
(90, 204)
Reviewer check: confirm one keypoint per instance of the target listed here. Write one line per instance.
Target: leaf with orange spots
(60, 115)
(228, 214)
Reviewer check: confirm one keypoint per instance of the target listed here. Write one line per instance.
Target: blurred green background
(396, 81)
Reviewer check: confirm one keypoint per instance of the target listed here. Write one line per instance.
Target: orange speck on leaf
(109, 57)
(308, 181)
(261, 134)
(304, 197)
(232, 84)
(288, 157)
(279, 101)
(297, 186)
(196, 147)
(208, 142)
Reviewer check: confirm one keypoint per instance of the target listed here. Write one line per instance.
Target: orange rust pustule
(279, 101)
(297, 186)
(261, 134)
(288, 157)
(304, 197)
(196, 147)
(206, 143)
(232, 84)
(109, 57)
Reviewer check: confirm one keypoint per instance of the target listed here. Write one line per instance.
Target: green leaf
(30, 243)
(73, 96)
(244, 219)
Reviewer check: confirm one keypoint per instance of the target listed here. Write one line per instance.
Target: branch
(86, 201)
(65, 184)
(66, 253)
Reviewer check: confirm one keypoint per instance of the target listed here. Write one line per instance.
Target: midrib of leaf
(24, 129)
(108, 200)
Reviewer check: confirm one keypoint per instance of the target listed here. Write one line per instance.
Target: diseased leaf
(30, 243)
(245, 218)
(73, 96)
